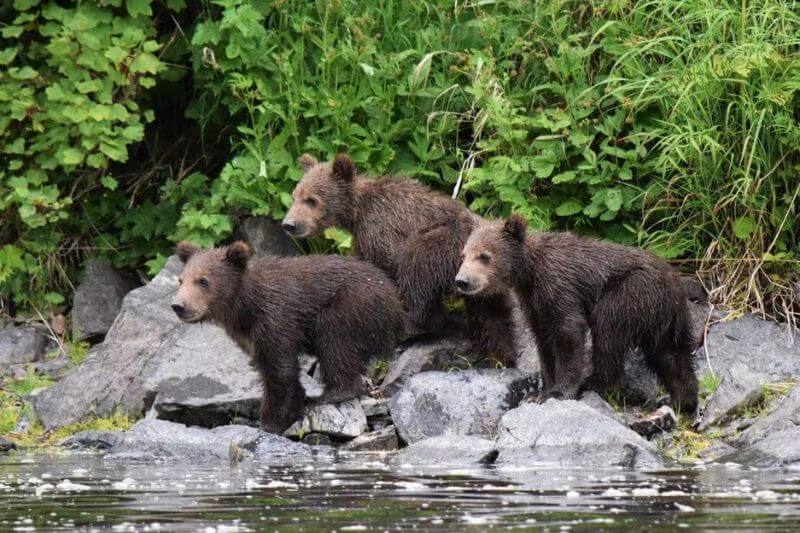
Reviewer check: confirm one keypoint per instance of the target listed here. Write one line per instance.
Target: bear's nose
(462, 284)
(289, 226)
(179, 309)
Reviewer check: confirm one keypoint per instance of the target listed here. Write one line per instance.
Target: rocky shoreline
(432, 404)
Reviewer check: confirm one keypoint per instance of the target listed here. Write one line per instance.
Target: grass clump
(709, 383)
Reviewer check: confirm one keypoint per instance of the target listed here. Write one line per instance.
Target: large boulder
(446, 451)
(194, 373)
(153, 439)
(342, 420)
(422, 355)
(785, 415)
(738, 389)
(22, 344)
(570, 433)
(764, 347)
(98, 299)
(265, 237)
(468, 402)
(778, 449)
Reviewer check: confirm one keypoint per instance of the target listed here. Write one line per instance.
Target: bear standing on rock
(342, 310)
(570, 285)
(412, 233)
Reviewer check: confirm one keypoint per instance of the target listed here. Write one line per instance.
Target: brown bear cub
(342, 310)
(412, 233)
(570, 286)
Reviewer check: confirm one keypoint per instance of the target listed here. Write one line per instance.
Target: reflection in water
(361, 491)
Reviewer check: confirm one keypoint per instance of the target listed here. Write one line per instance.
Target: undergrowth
(669, 124)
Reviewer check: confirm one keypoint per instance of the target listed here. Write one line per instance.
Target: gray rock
(739, 388)
(148, 356)
(22, 344)
(98, 299)
(342, 420)
(422, 356)
(273, 447)
(374, 407)
(469, 402)
(203, 379)
(6, 445)
(785, 415)
(596, 402)
(444, 450)
(778, 449)
(715, 451)
(764, 347)
(93, 440)
(570, 433)
(383, 440)
(55, 368)
(265, 237)
(153, 439)
(662, 420)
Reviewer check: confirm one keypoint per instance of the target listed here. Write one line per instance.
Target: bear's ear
(185, 251)
(306, 161)
(515, 228)
(343, 168)
(238, 253)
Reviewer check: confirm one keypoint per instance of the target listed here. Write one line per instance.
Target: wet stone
(570, 433)
(341, 420)
(382, 440)
(93, 440)
(739, 388)
(445, 450)
(469, 402)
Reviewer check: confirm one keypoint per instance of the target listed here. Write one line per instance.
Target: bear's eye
(203, 282)
(484, 258)
(311, 201)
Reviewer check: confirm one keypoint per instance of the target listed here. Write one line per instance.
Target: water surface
(364, 492)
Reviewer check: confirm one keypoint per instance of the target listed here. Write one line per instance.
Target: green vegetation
(126, 125)
(709, 383)
(14, 406)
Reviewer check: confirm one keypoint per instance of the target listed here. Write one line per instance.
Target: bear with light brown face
(412, 233)
(570, 287)
(342, 310)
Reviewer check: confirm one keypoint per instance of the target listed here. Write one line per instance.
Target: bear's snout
(289, 226)
(463, 284)
(179, 310)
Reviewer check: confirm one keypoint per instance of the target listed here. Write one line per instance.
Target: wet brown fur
(342, 310)
(570, 287)
(412, 233)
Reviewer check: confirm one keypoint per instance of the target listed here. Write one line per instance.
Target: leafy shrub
(667, 124)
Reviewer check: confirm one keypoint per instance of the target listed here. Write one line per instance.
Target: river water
(364, 492)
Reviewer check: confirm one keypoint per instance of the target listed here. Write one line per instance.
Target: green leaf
(570, 207)
(743, 227)
(53, 298)
(138, 7)
(146, 62)
(70, 156)
(613, 199)
(109, 183)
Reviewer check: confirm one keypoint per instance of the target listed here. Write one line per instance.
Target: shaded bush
(668, 124)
